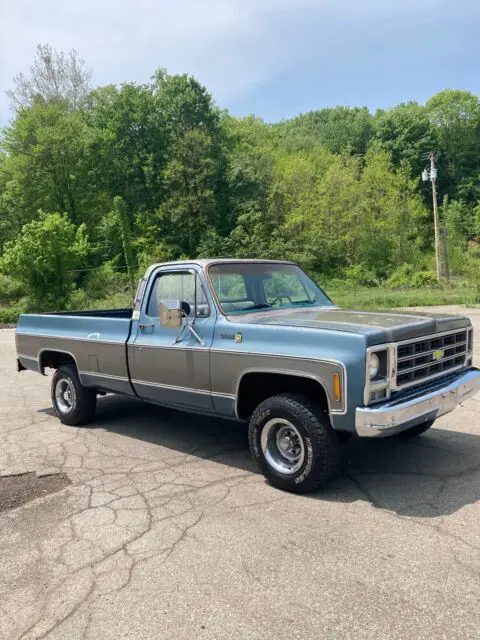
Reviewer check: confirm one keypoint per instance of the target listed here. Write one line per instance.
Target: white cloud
(230, 45)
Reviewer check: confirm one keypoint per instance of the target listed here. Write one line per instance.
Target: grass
(367, 298)
(384, 298)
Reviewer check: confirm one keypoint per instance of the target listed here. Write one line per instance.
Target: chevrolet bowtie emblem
(438, 354)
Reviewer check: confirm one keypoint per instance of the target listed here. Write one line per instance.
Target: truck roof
(206, 262)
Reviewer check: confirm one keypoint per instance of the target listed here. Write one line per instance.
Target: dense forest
(95, 184)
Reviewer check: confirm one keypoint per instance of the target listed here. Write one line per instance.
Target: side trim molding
(74, 338)
(184, 389)
(25, 357)
(297, 374)
(107, 376)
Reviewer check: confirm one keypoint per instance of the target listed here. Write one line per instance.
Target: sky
(271, 58)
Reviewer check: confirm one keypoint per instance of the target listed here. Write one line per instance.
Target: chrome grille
(430, 357)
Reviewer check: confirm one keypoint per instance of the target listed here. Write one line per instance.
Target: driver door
(164, 368)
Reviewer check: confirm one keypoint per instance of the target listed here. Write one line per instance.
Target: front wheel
(74, 404)
(293, 443)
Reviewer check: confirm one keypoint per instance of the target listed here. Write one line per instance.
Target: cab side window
(178, 286)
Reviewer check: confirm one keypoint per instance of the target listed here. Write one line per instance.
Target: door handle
(143, 325)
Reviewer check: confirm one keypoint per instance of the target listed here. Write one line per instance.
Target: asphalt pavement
(167, 530)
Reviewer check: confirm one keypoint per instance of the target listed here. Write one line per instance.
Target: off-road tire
(83, 399)
(321, 444)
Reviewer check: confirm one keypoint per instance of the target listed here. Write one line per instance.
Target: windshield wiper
(263, 305)
(304, 301)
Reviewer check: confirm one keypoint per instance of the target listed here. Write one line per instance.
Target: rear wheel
(74, 404)
(415, 431)
(293, 443)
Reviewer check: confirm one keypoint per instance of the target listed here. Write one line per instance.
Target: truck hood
(379, 327)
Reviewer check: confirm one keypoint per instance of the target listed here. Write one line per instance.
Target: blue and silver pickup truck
(258, 340)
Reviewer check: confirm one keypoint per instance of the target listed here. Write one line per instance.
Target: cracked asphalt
(167, 530)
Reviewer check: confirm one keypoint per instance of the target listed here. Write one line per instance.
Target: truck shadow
(433, 475)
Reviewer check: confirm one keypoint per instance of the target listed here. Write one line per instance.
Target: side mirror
(171, 313)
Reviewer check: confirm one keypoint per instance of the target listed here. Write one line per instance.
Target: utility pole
(432, 176)
(445, 248)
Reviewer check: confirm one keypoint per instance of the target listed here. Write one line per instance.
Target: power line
(94, 269)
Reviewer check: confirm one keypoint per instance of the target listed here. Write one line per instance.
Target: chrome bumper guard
(394, 417)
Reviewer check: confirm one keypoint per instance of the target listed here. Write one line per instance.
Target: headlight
(373, 365)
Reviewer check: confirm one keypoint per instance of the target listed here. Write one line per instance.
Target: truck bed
(94, 340)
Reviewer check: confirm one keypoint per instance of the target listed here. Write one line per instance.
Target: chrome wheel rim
(64, 395)
(282, 446)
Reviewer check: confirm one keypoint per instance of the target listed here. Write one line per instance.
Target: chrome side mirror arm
(192, 331)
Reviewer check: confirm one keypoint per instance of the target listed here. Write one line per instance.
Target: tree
(406, 132)
(184, 104)
(54, 76)
(126, 234)
(47, 166)
(190, 205)
(45, 257)
(455, 118)
(251, 152)
(337, 189)
(390, 213)
(318, 191)
(128, 152)
(337, 129)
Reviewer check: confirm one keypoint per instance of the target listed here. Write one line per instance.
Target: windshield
(256, 286)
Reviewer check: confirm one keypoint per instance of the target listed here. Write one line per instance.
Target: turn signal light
(337, 390)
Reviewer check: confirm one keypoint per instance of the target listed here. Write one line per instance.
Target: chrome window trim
(171, 270)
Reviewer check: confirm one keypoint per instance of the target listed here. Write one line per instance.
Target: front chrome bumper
(394, 417)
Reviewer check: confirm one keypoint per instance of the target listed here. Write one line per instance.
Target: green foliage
(409, 277)
(360, 276)
(10, 315)
(386, 298)
(10, 289)
(339, 129)
(336, 189)
(407, 134)
(45, 257)
(126, 235)
(105, 281)
(455, 117)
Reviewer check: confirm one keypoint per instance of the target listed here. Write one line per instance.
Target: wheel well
(54, 359)
(256, 387)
